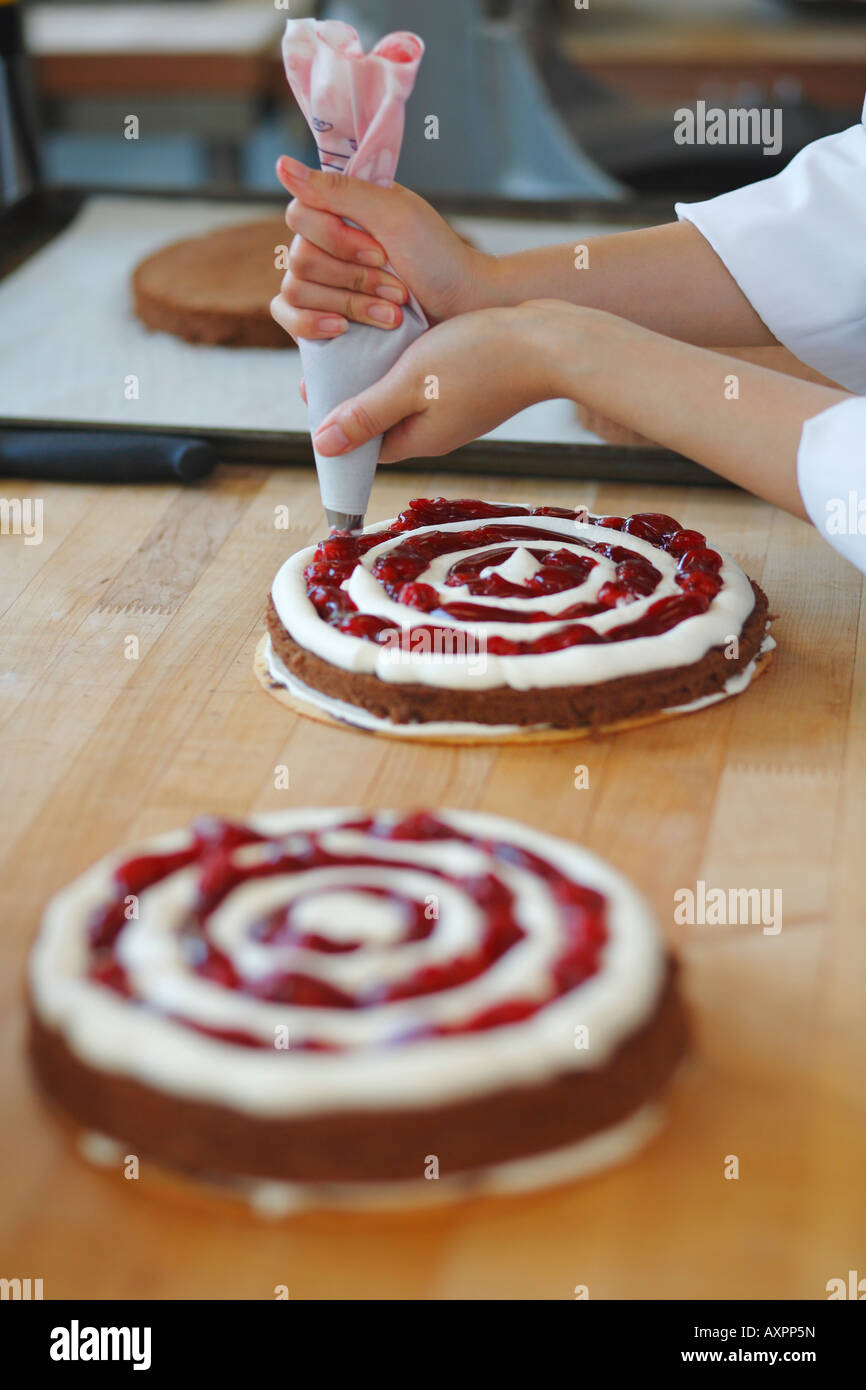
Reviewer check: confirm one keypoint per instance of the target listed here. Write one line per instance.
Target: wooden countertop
(768, 790)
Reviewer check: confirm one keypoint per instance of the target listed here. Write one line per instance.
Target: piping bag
(354, 104)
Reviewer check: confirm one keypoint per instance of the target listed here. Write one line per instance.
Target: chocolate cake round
(216, 288)
(479, 618)
(353, 1003)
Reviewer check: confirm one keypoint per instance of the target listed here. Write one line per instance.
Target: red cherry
(577, 610)
(372, 539)
(462, 969)
(487, 891)
(137, 874)
(640, 578)
(211, 833)
(500, 934)
(708, 560)
(581, 635)
(620, 555)
(233, 1036)
(699, 582)
(478, 613)
(612, 523)
(550, 581)
(338, 547)
(304, 992)
(217, 876)
(427, 511)
(110, 973)
(330, 603)
(577, 635)
(565, 559)
(420, 825)
(500, 1015)
(365, 625)
(662, 615)
(501, 646)
(319, 594)
(645, 530)
(432, 979)
(577, 895)
(106, 925)
(362, 823)
(321, 572)
(421, 926)
(564, 512)
(667, 612)
(497, 587)
(610, 594)
(397, 569)
(572, 968)
(667, 525)
(218, 968)
(426, 981)
(553, 641)
(681, 541)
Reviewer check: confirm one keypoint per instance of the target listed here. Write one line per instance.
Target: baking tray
(34, 223)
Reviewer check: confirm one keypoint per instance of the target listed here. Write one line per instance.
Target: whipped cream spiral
(511, 597)
(322, 959)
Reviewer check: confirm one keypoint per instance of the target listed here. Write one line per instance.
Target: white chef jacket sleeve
(796, 246)
(831, 475)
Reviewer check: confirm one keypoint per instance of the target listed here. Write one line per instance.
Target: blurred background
(545, 99)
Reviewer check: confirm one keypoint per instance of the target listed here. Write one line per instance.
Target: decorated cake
(468, 620)
(352, 1005)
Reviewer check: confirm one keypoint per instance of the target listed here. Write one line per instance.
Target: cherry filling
(130, 879)
(280, 928)
(582, 919)
(476, 612)
(560, 569)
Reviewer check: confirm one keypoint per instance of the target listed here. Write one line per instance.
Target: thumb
(362, 202)
(369, 414)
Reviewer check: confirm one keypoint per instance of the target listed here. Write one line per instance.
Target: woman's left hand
(454, 383)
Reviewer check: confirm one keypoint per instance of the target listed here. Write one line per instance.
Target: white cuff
(831, 475)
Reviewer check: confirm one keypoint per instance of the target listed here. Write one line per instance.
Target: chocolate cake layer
(368, 1145)
(216, 288)
(564, 707)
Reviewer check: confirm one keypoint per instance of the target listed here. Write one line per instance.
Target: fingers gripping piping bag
(354, 104)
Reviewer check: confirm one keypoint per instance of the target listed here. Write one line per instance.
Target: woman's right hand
(336, 272)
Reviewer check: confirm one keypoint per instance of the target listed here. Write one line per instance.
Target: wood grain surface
(767, 790)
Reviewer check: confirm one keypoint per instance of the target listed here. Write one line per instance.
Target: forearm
(741, 420)
(779, 359)
(666, 278)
